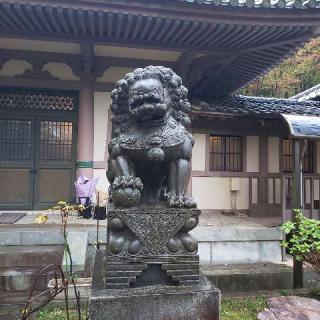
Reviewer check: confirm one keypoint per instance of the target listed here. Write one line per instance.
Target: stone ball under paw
(173, 245)
(116, 224)
(126, 197)
(190, 245)
(190, 224)
(116, 245)
(134, 247)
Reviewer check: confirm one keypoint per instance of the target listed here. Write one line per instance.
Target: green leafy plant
(304, 240)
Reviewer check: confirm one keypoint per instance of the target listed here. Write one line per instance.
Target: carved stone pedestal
(154, 302)
(147, 246)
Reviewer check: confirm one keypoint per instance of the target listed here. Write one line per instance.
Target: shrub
(304, 242)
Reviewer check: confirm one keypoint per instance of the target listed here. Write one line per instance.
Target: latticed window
(225, 153)
(15, 140)
(55, 141)
(288, 156)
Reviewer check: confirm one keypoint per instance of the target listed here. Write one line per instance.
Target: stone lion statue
(150, 150)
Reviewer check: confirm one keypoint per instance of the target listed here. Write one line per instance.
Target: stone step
(120, 279)
(180, 272)
(174, 266)
(189, 282)
(117, 285)
(29, 256)
(22, 279)
(257, 277)
(129, 267)
(122, 273)
(185, 277)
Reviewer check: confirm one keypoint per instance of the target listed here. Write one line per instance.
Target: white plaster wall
(199, 152)
(60, 70)
(136, 53)
(39, 45)
(14, 68)
(213, 193)
(252, 154)
(114, 74)
(273, 154)
(254, 190)
(102, 101)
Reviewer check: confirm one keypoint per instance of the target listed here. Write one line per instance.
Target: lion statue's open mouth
(147, 101)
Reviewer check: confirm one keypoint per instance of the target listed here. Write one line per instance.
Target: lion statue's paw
(174, 201)
(126, 191)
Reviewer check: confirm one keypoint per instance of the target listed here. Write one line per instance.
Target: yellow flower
(41, 218)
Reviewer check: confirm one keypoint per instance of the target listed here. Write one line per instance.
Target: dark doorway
(37, 151)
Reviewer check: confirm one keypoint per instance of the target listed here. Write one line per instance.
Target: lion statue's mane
(178, 104)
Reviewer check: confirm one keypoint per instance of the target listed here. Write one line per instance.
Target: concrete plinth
(200, 302)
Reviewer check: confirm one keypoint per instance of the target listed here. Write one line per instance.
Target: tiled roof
(279, 4)
(255, 106)
(310, 94)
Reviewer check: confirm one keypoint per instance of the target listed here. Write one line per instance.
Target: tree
(295, 74)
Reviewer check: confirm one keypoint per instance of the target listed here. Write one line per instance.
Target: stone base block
(200, 302)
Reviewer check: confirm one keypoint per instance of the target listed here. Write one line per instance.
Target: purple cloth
(85, 188)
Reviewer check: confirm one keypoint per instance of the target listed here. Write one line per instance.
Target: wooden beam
(146, 28)
(183, 64)
(91, 22)
(52, 84)
(110, 23)
(11, 16)
(31, 12)
(119, 25)
(72, 21)
(81, 18)
(73, 60)
(128, 26)
(40, 14)
(155, 29)
(277, 43)
(54, 22)
(101, 23)
(23, 17)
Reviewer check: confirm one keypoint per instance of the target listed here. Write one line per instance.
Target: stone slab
(241, 252)
(291, 308)
(78, 242)
(201, 302)
(10, 238)
(44, 237)
(235, 233)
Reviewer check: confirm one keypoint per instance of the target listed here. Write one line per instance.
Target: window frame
(226, 168)
(310, 157)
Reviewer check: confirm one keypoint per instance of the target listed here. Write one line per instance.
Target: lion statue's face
(147, 101)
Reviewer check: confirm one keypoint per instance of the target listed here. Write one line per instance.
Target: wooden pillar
(297, 204)
(85, 130)
(263, 176)
(86, 112)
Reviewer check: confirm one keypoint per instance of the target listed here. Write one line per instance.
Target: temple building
(60, 60)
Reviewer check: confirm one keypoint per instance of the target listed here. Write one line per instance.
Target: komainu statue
(150, 268)
(149, 212)
(150, 150)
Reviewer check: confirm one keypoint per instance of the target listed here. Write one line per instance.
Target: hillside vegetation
(295, 74)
